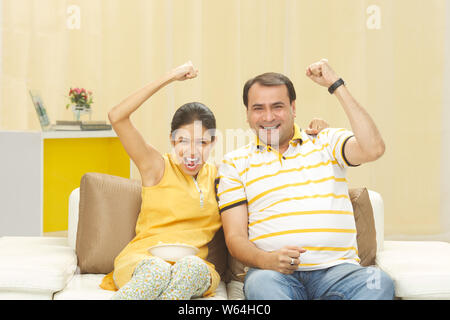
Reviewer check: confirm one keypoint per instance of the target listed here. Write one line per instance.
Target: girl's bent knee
(152, 263)
(191, 263)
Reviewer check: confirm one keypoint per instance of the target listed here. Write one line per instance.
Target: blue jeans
(344, 281)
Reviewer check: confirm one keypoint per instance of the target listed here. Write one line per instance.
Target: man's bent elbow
(378, 151)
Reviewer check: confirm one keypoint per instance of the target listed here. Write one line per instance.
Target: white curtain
(394, 55)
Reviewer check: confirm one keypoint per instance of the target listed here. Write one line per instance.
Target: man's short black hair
(270, 79)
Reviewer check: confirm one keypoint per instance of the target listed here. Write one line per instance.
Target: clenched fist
(286, 259)
(321, 73)
(184, 72)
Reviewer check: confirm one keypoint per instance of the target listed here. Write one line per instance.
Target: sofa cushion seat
(235, 290)
(42, 265)
(420, 269)
(86, 287)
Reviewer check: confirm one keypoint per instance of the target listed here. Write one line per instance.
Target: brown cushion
(365, 228)
(218, 254)
(108, 211)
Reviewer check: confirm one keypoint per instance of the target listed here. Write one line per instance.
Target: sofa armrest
(41, 264)
(419, 269)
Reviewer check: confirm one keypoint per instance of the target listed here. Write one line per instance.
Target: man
(284, 198)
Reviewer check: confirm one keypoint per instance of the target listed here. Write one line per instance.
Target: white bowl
(172, 251)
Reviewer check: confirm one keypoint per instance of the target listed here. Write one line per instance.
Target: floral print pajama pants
(156, 279)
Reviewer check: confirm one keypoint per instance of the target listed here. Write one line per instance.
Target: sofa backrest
(99, 206)
(378, 215)
(74, 200)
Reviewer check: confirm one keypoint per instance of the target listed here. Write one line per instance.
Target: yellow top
(172, 211)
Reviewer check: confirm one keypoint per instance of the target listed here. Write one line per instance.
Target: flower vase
(79, 110)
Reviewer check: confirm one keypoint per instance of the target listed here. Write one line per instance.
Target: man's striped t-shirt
(297, 198)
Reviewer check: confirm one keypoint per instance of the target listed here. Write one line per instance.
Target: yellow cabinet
(39, 170)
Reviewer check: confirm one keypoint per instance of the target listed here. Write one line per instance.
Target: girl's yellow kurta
(171, 212)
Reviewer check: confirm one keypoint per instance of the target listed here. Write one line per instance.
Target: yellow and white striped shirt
(297, 198)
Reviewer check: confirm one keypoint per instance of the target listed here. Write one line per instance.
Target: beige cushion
(108, 211)
(366, 235)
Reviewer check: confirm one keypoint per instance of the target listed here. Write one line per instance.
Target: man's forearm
(245, 251)
(364, 128)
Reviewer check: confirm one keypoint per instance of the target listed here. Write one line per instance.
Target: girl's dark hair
(194, 111)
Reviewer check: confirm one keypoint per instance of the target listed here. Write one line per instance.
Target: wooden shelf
(39, 170)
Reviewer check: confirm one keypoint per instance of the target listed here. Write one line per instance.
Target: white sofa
(46, 267)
